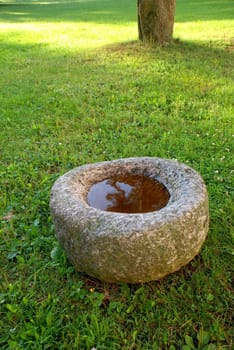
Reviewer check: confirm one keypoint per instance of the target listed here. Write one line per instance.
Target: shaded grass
(101, 11)
(64, 104)
(208, 10)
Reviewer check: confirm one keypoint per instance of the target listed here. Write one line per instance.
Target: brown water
(128, 194)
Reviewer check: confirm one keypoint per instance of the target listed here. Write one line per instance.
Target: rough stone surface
(132, 248)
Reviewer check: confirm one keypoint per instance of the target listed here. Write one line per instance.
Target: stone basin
(131, 247)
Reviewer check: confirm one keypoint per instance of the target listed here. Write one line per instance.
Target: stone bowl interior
(167, 172)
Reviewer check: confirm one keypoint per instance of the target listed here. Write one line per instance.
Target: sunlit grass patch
(66, 35)
(216, 32)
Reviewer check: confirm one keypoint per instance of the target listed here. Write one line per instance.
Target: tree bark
(156, 20)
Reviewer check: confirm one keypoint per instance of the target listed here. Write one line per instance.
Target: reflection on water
(128, 194)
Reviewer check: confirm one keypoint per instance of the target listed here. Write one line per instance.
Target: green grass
(76, 87)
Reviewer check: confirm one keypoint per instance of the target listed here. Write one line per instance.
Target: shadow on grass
(204, 10)
(182, 78)
(103, 11)
(191, 54)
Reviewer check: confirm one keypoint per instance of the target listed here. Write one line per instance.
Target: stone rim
(67, 183)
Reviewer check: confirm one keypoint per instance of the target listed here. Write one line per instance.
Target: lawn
(76, 87)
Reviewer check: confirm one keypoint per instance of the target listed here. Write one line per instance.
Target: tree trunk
(156, 20)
